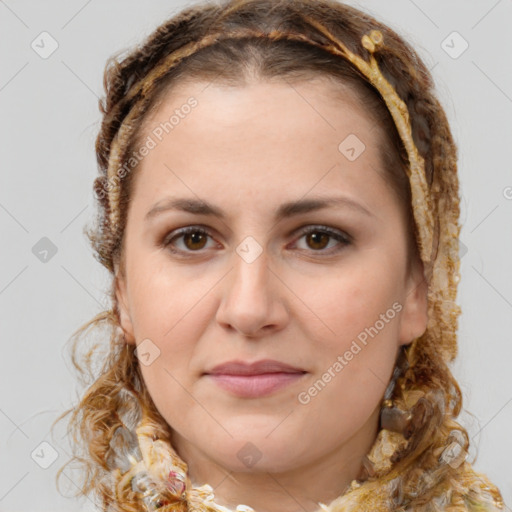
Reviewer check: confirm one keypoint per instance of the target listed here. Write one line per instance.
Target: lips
(252, 380)
(238, 367)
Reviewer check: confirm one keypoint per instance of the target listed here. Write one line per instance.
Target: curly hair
(228, 42)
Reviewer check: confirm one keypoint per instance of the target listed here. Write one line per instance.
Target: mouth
(240, 367)
(256, 385)
(254, 379)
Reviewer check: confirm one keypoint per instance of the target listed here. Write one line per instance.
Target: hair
(187, 48)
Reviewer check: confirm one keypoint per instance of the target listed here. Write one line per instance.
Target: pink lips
(254, 380)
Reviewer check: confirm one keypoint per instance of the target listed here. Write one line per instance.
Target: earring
(391, 417)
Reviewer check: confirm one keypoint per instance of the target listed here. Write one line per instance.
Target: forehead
(280, 135)
(313, 92)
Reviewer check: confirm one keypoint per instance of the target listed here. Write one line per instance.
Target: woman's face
(302, 261)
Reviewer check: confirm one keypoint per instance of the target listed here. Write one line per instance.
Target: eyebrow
(286, 210)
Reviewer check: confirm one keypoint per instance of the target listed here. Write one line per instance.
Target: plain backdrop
(52, 59)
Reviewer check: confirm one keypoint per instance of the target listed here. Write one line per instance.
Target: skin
(302, 301)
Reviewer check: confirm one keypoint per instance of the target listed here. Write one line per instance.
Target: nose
(253, 298)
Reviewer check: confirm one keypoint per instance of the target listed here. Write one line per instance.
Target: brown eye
(192, 238)
(318, 239)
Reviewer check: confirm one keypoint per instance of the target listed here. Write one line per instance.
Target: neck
(299, 489)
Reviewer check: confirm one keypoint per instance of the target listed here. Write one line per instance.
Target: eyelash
(339, 236)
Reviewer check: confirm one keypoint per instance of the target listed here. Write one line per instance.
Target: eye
(194, 239)
(318, 238)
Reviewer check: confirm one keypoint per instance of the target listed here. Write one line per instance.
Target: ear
(414, 317)
(122, 301)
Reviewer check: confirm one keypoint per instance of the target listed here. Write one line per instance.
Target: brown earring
(391, 417)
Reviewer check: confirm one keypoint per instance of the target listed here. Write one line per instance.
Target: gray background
(48, 121)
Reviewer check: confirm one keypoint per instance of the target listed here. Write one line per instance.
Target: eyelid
(327, 229)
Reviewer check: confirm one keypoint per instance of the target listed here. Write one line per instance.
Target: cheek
(355, 332)
(165, 301)
(355, 328)
(344, 301)
(172, 312)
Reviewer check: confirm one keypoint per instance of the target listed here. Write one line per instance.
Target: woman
(278, 207)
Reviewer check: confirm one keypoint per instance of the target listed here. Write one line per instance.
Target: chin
(253, 458)
(253, 450)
